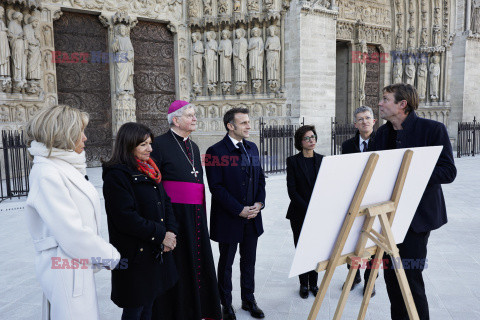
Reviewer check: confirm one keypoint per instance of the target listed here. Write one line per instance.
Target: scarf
(150, 169)
(78, 161)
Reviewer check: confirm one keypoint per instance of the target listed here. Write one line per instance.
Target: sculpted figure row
(20, 55)
(248, 59)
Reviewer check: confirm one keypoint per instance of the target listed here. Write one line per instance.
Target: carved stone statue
(422, 79)
(362, 72)
(252, 5)
(222, 7)
(211, 61)
(240, 50)
(51, 83)
(410, 71)
(424, 38)
(123, 62)
(34, 56)
(17, 44)
(193, 8)
(4, 54)
(268, 4)
(475, 16)
(197, 67)
(255, 55)
(397, 71)
(273, 47)
(47, 36)
(207, 7)
(237, 6)
(434, 70)
(225, 51)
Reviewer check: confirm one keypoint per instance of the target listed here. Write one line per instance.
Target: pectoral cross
(195, 172)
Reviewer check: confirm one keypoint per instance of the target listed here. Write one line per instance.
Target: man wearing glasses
(364, 121)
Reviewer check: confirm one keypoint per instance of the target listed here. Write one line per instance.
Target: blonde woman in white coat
(63, 215)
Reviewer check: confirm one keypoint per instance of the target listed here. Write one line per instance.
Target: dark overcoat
(352, 145)
(227, 175)
(300, 185)
(139, 213)
(431, 213)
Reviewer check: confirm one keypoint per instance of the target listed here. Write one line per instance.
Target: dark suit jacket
(352, 145)
(431, 213)
(227, 175)
(300, 185)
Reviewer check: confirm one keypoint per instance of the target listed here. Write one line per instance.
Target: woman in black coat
(141, 223)
(302, 170)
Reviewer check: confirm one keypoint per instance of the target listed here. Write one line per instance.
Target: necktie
(365, 146)
(242, 150)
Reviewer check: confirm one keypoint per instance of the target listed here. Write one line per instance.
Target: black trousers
(248, 254)
(413, 252)
(307, 279)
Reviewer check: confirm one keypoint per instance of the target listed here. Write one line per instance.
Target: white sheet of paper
(334, 189)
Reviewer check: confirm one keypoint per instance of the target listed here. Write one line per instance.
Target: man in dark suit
(237, 184)
(364, 122)
(404, 129)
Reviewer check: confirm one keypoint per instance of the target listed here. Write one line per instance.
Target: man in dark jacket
(404, 129)
(364, 122)
(237, 184)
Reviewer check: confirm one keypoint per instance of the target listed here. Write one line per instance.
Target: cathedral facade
(287, 61)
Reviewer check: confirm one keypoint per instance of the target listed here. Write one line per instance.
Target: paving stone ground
(452, 278)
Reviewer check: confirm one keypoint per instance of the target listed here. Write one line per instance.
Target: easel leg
(401, 276)
(370, 284)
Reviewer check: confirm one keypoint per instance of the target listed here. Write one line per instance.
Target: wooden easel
(385, 242)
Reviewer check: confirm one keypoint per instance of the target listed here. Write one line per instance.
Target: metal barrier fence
(468, 141)
(16, 166)
(276, 144)
(340, 133)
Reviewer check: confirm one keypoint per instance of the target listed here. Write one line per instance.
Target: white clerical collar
(184, 139)
(234, 141)
(361, 141)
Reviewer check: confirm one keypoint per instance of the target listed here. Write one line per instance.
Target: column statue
(197, 67)
(434, 70)
(124, 61)
(17, 45)
(5, 80)
(255, 54)
(273, 47)
(211, 61)
(240, 49)
(225, 51)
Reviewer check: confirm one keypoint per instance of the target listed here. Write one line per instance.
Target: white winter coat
(63, 216)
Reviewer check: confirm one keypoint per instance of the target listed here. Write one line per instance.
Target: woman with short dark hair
(141, 223)
(302, 170)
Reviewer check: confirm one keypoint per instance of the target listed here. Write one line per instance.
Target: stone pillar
(121, 57)
(310, 67)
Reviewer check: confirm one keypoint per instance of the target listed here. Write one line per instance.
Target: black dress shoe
(356, 281)
(314, 290)
(373, 291)
(228, 313)
(303, 292)
(255, 311)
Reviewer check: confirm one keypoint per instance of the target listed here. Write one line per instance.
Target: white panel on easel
(336, 184)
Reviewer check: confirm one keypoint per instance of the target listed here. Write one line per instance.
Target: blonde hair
(58, 127)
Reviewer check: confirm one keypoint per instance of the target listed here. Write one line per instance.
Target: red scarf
(150, 169)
